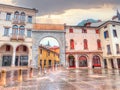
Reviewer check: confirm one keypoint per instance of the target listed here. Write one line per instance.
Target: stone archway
(38, 35)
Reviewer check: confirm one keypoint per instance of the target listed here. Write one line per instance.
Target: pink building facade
(83, 47)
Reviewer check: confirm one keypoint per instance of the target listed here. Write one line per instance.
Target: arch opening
(6, 52)
(96, 61)
(48, 52)
(21, 58)
(83, 61)
(71, 60)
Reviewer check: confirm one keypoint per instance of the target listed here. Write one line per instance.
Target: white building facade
(16, 24)
(110, 37)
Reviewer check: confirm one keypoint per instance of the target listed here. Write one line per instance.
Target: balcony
(21, 38)
(21, 22)
(17, 21)
(13, 37)
(17, 37)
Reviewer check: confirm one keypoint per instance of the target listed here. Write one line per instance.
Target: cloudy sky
(69, 11)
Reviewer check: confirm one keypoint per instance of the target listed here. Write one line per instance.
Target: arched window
(85, 44)
(99, 44)
(71, 44)
(71, 59)
(15, 30)
(21, 30)
(22, 16)
(16, 15)
(82, 61)
(96, 61)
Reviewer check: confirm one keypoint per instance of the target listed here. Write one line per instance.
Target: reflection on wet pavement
(79, 79)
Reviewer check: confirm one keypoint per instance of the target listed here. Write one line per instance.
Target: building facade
(47, 57)
(83, 47)
(16, 24)
(109, 34)
(94, 44)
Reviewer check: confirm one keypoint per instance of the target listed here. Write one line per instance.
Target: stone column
(109, 64)
(102, 63)
(3, 77)
(13, 57)
(35, 55)
(76, 61)
(29, 56)
(20, 75)
(115, 63)
(66, 61)
(90, 64)
(89, 61)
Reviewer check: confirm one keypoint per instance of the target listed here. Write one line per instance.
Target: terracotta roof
(48, 27)
(54, 47)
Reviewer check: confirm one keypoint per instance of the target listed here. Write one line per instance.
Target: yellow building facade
(47, 57)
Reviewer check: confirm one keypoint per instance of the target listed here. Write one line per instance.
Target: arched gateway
(48, 30)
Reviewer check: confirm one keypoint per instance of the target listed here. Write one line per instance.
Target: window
(44, 62)
(15, 30)
(96, 61)
(7, 47)
(71, 30)
(85, 44)
(21, 30)
(108, 49)
(22, 17)
(97, 32)
(71, 44)
(6, 60)
(40, 63)
(23, 60)
(106, 35)
(29, 33)
(8, 15)
(6, 31)
(82, 61)
(29, 19)
(84, 31)
(99, 44)
(117, 49)
(16, 15)
(114, 33)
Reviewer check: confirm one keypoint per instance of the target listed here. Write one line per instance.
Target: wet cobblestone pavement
(79, 79)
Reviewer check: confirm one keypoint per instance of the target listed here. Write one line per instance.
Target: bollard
(3, 77)
(20, 75)
(31, 73)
